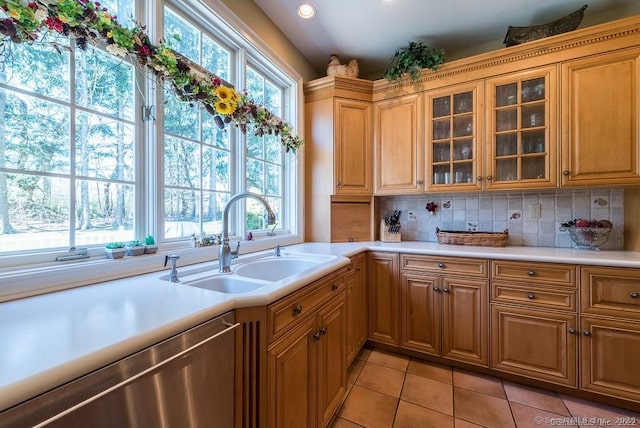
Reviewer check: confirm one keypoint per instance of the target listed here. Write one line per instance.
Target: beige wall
(248, 12)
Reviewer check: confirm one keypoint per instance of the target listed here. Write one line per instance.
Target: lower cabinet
(382, 283)
(609, 351)
(445, 316)
(356, 307)
(307, 369)
(533, 343)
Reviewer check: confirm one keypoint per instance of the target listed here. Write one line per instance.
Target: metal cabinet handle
(531, 296)
(531, 273)
(479, 178)
(419, 181)
(134, 377)
(323, 330)
(297, 309)
(586, 333)
(634, 295)
(445, 290)
(572, 330)
(436, 289)
(441, 265)
(339, 184)
(565, 173)
(316, 335)
(334, 287)
(489, 178)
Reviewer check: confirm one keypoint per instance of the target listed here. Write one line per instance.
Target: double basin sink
(254, 272)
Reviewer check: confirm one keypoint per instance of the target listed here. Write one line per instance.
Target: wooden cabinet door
(600, 141)
(360, 304)
(398, 146)
(536, 344)
(454, 138)
(465, 321)
(382, 285)
(609, 352)
(331, 351)
(420, 309)
(355, 306)
(352, 147)
(293, 378)
(521, 144)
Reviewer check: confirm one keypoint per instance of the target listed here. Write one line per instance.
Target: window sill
(32, 280)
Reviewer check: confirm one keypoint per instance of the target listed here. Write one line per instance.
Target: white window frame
(23, 275)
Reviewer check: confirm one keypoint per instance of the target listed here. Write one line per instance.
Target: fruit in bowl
(588, 233)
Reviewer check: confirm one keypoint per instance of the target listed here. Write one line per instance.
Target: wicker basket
(482, 239)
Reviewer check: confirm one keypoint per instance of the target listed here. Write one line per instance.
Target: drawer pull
(634, 295)
(572, 330)
(531, 273)
(531, 296)
(441, 265)
(316, 335)
(586, 333)
(297, 309)
(436, 289)
(334, 287)
(323, 330)
(445, 290)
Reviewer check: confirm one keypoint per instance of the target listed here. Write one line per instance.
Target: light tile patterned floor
(387, 390)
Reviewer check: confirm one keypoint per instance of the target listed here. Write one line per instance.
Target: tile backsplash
(516, 211)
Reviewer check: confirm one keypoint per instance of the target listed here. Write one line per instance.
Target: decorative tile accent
(494, 212)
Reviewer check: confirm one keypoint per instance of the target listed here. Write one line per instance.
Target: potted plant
(134, 248)
(412, 59)
(115, 250)
(150, 246)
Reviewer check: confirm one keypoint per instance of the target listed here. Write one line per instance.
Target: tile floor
(389, 390)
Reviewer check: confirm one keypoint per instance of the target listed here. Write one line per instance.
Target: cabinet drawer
(297, 306)
(610, 291)
(537, 273)
(468, 267)
(533, 296)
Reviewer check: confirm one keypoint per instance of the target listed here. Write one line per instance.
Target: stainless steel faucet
(226, 255)
(173, 273)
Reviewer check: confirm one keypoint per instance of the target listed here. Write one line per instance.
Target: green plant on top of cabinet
(454, 137)
(521, 147)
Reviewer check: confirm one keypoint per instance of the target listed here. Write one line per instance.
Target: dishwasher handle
(138, 375)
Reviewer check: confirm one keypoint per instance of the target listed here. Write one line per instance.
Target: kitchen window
(93, 150)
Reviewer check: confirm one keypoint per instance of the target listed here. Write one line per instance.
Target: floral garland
(87, 21)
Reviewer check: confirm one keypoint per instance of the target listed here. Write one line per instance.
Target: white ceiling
(372, 30)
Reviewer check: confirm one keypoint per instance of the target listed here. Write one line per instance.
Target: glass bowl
(589, 237)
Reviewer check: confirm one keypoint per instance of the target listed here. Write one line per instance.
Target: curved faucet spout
(226, 255)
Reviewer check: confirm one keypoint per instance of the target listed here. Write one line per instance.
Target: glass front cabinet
(453, 154)
(521, 144)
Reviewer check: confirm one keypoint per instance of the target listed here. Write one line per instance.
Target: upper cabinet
(521, 146)
(338, 136)
(453, 137)
(398, 145)
(352, 147)
(600, 141)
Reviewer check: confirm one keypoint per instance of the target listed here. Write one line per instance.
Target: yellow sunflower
(224, 107)
(225, 94)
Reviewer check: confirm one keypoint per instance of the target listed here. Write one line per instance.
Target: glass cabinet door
(452, 138)
(522, 142)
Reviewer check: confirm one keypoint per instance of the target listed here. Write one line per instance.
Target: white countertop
(50, 339)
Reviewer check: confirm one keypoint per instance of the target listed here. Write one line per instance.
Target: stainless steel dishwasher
(186, 381)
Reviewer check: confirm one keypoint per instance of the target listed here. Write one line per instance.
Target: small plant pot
(150, 249)
(115, 253)
(135, 251)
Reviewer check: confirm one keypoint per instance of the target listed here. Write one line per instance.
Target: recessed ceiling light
(306, 10)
